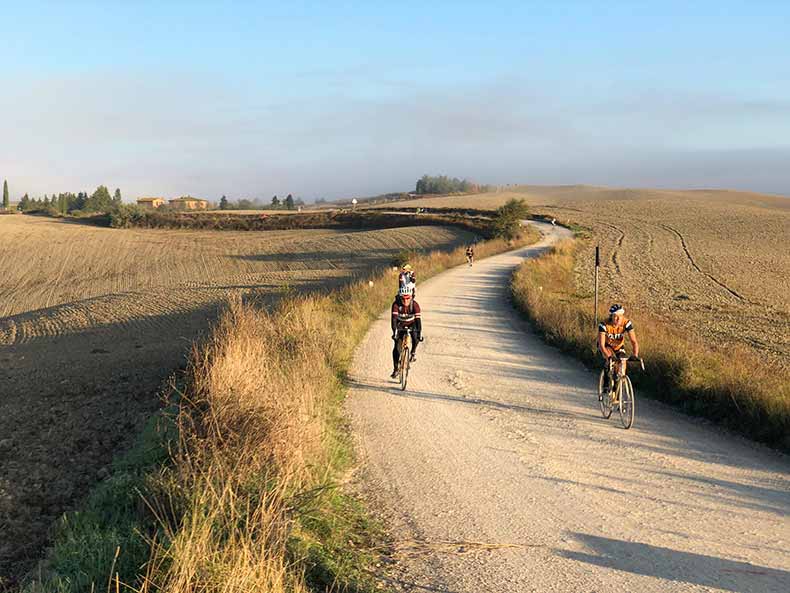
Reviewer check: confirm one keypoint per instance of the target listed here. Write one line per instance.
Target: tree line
(287, 203)
(69, 203)
(442, 184)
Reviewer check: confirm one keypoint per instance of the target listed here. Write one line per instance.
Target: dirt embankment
(95, 319)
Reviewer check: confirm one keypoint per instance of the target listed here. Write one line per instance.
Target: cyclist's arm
(417, 318)
(602, 342)
(394, 318)
(634, 342)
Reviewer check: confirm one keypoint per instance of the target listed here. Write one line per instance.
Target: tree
(24, 203)
(223, 203)
(6, 199)
(289, 202)
(507, 219)
(100, 200)
(275, 202)
(116, 198)
(445, 185)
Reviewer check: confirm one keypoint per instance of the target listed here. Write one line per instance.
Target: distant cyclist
(470, 254)
(611, 340)
(405, 317)
(407, 275)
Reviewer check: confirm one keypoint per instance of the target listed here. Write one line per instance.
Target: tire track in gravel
(696, 267)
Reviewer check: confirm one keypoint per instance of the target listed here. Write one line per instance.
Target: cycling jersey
(405, 315)
(615, 333)
(407, 277)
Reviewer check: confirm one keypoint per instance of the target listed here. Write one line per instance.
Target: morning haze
(327, 102)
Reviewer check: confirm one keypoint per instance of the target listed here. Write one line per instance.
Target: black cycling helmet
(616, 309)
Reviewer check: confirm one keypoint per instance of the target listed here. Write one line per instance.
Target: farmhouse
(150, 202)
(188, 203)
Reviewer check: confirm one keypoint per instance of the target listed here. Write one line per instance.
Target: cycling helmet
(616, 310)
(406, 267)
(406, 289)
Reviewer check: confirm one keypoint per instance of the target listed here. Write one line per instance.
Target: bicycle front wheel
(605, 399)
(404, 368)
(627, 403)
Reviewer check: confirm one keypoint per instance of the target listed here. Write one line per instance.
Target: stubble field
(93, 320)
(714, 264)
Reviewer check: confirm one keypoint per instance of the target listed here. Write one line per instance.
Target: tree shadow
(749, 496)
(678, 566)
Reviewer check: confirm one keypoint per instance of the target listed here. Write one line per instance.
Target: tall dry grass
(735, 387)
(258, 441)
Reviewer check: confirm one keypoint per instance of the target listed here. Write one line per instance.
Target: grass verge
(245, 494)
(734, 387)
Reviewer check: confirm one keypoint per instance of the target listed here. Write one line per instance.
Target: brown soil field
(714, 263)
(93, 321)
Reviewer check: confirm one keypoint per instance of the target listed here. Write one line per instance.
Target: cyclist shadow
(678, 566)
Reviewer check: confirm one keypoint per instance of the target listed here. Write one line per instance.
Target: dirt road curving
(496, 472)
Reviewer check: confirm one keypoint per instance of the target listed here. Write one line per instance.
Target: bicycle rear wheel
(404, 368)
(627, 403)
(605, 401)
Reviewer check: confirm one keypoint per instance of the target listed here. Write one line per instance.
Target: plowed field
(716, 264)
(92, 320)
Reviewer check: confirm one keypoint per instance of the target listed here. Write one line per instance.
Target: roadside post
(597, 265)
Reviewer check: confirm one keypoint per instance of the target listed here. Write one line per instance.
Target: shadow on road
(681, 567)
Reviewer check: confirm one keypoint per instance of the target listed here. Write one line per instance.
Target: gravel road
(494, 470)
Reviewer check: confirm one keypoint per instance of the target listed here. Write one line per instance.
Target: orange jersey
(615, 334)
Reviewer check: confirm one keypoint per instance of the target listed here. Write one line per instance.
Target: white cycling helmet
(406, 289)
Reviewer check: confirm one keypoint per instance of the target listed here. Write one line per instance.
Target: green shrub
(404, 257)
(508, 217)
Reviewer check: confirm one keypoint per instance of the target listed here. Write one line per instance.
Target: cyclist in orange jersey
(611, 339)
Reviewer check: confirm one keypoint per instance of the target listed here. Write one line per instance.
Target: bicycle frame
(405, 348)
(405, 339)
(621, 390)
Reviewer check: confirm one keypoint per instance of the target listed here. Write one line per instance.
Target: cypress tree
(6, 199)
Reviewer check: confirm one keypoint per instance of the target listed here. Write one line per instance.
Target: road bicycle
(621, 393)
(405, 348)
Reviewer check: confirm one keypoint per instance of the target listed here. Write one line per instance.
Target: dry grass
(735, 387)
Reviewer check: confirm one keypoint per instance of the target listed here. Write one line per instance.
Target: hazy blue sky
(330, 99)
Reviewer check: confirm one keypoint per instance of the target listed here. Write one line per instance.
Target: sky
(331, 99)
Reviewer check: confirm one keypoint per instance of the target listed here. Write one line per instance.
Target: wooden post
(597, 265)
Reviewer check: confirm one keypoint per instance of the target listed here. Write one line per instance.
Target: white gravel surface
(494, 470)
